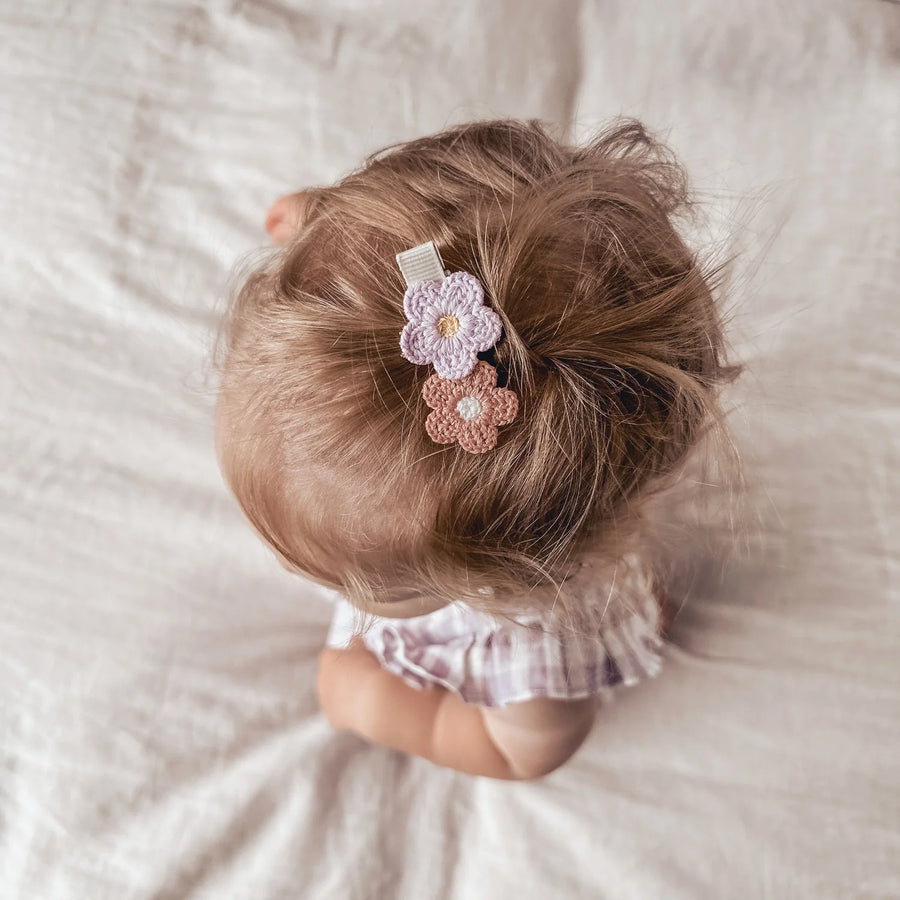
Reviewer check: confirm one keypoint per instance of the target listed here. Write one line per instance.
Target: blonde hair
(612, 341)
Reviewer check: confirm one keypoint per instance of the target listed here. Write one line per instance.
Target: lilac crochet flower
(449, 325)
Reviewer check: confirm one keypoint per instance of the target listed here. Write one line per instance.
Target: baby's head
(611, 340)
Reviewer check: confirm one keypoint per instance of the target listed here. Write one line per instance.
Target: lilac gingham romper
(493, 662)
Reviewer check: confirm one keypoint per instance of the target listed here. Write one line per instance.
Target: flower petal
(483, 327)
(502, 406)
(419, 297)
(477, 436)
(443, 425)
(454, 358)
(440, 392)
(418, 342)
(462, 292)
(483, 377)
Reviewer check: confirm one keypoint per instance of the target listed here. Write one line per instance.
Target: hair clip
(448, 326)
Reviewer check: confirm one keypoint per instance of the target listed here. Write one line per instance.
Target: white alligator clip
(422, 263)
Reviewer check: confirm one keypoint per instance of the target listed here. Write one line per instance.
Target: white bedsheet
(159, 736)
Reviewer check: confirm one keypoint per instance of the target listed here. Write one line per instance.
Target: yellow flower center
(448, 325)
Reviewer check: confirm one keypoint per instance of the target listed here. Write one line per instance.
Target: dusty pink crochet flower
(449, 325)
(468, 409)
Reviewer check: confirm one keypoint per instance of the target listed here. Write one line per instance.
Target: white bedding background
(159, 735)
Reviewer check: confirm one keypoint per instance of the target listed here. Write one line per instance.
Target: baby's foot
(287, 214)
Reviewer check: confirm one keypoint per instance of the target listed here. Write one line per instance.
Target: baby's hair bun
(611, 339)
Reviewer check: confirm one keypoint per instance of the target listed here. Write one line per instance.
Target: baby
(447, 397)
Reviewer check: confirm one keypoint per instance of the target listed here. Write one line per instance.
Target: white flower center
(469, 408)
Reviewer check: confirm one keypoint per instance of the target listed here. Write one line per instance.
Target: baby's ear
(288, 214)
